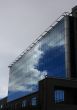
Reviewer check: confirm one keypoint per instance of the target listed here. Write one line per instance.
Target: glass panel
(1, 106)
(34, 101)
(47, 57)
(24, 103)
(59, 96)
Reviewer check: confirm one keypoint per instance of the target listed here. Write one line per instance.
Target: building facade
(44, 76)
(47, 55)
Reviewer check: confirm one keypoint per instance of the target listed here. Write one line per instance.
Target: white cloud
(26, 73)
(58, 42)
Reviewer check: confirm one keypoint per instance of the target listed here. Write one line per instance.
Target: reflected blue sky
(53, 64)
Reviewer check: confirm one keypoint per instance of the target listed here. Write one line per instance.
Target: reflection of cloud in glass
(26, 74)
(58, 42)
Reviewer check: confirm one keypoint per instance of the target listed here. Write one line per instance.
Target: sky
(21, 22)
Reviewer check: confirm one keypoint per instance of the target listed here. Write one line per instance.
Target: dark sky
(21, 22)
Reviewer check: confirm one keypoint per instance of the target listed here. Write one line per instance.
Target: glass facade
(47, 57)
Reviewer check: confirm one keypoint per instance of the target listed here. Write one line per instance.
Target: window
(34, 101)
(59, 96)
(24, 103)
(1, 106)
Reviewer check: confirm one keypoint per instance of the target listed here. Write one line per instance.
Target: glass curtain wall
(47, 57)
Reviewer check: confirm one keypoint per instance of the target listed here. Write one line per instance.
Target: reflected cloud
(30, 74)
